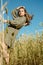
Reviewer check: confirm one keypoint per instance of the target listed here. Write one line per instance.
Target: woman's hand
(20, 7)
(25, 24)
(0, 17)
(5, 21)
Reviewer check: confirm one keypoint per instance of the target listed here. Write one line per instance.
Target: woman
(21, 14)
(20, 18)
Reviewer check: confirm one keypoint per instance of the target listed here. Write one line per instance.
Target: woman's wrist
(7, 21)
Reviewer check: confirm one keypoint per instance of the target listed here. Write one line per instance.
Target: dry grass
(3, 49)
(28, 50)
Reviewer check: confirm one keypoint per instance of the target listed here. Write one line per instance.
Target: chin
(21, 15)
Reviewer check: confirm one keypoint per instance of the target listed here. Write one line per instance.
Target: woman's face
(21, 12)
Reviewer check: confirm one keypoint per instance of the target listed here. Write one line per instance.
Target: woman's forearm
(14, 13)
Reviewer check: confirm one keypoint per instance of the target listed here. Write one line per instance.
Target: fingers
(0, 17)
(20, 7)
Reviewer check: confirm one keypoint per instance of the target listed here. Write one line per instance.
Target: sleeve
(14, 13)
(18, 22)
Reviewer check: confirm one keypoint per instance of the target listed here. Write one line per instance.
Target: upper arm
(18, 22)
(14, 13)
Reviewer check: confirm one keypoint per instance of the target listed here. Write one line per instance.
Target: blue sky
(33, 7)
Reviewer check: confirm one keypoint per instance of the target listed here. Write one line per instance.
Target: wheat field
(27, 50)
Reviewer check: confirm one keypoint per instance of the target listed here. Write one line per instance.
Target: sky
(33, 7)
